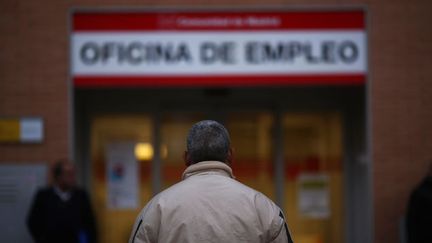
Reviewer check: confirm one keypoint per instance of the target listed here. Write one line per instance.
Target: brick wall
(33, 75)
(34, 68)
(401, 47)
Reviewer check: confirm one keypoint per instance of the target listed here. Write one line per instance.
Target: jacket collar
(208, 166)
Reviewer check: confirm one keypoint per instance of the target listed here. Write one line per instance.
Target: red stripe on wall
(141, 21)
(217, 81)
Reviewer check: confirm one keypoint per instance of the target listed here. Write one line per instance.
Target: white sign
(223, 48)
(211, 53)
(31, 130)
(122, 175)
(314, 196)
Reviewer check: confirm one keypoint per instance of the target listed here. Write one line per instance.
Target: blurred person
(62, 213)
(209, 205)
(419, 213)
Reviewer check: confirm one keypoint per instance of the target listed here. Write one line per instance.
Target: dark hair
(58, 168)
(208, 140)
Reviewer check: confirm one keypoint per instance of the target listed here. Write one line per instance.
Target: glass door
(313, 193)
(310, 186)
(121, 155)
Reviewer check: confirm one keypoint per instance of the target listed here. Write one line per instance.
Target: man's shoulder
(255, 194)
(177, 188)
(261, 201)
(43, 194)
(80, 191)
(200, 181)
(422, 192)
(44, 191)
(189, 187)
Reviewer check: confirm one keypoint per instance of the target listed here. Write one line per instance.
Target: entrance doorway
(297, 146)
(312, 162)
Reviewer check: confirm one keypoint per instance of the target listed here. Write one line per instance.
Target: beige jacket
(208, 205)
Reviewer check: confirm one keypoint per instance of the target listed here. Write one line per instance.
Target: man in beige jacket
(209, 205)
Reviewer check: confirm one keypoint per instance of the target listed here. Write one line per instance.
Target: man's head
(208, 140)
(64, 174)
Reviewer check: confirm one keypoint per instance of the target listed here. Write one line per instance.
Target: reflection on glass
(143, 151)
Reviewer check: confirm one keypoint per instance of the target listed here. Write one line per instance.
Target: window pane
(251, 141)
(174, 129)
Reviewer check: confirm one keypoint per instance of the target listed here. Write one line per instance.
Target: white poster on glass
(314, 195)
(122, 176)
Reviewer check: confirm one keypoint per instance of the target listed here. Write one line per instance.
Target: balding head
(64, 174)
(208, 140)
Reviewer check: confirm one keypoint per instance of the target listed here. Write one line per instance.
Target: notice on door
(122, 175)
(313, 196)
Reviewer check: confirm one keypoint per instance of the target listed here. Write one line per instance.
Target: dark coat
(419, 213)
(53, 220)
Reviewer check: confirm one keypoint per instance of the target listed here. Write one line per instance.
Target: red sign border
(160, 21)
(217, 81)
(114, 81)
